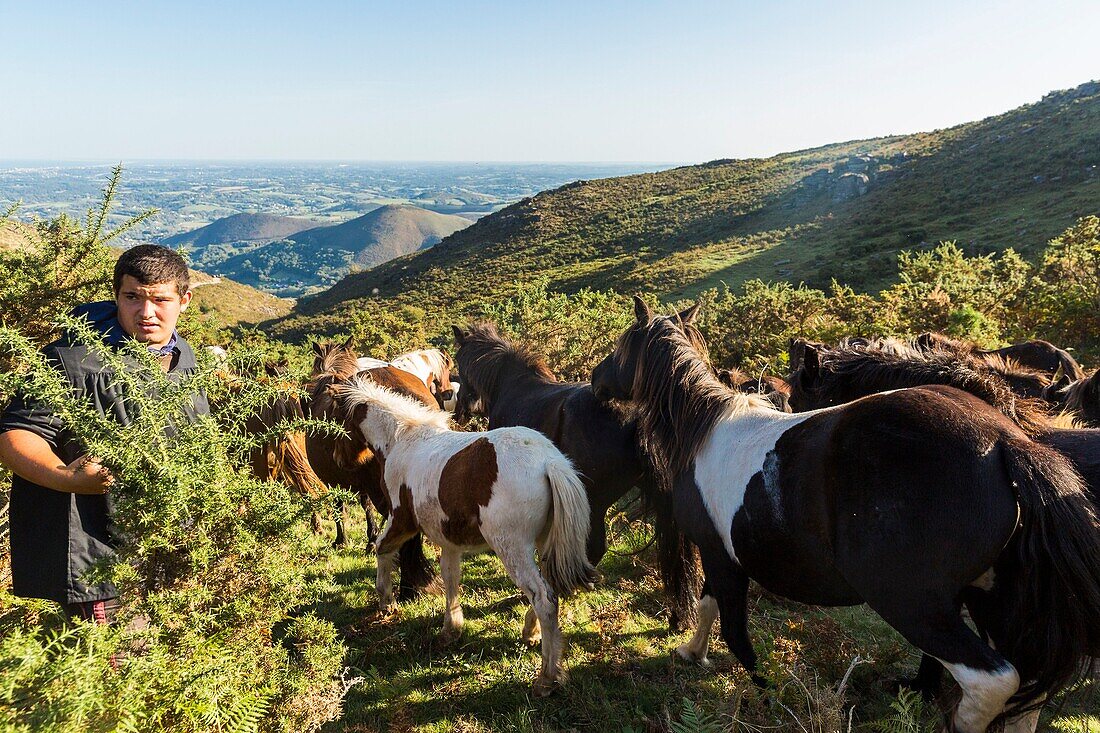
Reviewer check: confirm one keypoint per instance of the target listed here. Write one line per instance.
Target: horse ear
(925, 342)
(460, 337)
(687, 316)
(1060, 380)
(811, 363)
(317, 349)
(641, 310)
(348, 344)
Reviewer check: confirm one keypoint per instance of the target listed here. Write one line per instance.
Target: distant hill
(322, 255)
(240, 228)
(843, 210)
(235, 304)
(210, 245)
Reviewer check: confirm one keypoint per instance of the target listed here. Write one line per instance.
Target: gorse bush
(210, 567)
(64, 263)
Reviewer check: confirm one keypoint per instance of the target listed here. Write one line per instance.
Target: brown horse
(775, 389)
(282, 457)
(335, 364)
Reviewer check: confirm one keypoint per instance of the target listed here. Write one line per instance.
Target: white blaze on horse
(433, 367)
(509, 490)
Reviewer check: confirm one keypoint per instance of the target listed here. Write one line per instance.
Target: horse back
(591, 433)
(916, 473)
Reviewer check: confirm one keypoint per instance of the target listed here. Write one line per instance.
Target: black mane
(491, 356)
(852, 371)
(679, 398)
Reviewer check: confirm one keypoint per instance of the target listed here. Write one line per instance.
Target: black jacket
(56, 537)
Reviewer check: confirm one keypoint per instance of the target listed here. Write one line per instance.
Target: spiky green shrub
(210, 567)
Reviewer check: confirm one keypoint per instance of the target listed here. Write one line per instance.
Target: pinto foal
(509, 490)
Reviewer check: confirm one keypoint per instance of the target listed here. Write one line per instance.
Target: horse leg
(384, 583)
(696, 649)
(521, 567)
(731, 593)
(532, 632)
(597, 530)
(341, 519)
(315, 523)
(417, 572)
(928, 680)
(372, 526)
(986, 678)
(450, 566)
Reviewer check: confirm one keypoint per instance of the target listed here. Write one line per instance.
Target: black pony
(828, 376)
(911, 502)
(1038, 355)
(512, 386)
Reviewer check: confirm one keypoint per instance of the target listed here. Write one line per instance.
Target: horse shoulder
(736, 450)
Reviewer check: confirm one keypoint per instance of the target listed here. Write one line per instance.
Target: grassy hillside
(842, 211)
(322, 255)
(234, 303)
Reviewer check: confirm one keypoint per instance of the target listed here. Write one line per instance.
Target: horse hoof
(533, 640)
(544, 687)
(448, 637)
(687, 655)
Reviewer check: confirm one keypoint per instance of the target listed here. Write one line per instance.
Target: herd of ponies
(927, 478)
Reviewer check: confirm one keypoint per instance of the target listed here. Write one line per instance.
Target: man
(60, 509)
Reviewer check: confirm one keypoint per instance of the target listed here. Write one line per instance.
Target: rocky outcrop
(850, 178)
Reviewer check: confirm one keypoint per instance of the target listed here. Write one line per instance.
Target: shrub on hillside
(211, 562)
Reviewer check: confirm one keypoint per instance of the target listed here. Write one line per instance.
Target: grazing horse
(334, 364)
(512, 386)
(509, 490)
(433, 367)
(909, 501)
(1037, 355)
(281, 457)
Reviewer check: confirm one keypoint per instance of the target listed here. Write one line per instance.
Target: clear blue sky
(516, 81)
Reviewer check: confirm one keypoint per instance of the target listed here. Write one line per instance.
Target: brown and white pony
(431, 366)
(509, 490)
(909, 501)
(333, 365)
(510, 385)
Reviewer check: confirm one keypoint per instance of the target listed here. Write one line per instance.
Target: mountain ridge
(840, 211)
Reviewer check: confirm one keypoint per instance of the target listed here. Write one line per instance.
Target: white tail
(565, 562)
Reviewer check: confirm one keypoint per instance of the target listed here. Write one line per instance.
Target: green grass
(622, 677)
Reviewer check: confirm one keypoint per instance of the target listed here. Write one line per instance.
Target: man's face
(149, 312)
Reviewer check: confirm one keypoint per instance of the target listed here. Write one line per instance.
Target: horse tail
(681, 574)
(1051, 597)
(564, 553)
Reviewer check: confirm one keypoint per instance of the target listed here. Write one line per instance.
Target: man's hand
(89, 476)
(28, 455)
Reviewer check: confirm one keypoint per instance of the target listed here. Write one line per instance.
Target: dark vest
(56, 537)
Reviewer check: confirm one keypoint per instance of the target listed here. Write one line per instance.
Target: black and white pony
(912, 502)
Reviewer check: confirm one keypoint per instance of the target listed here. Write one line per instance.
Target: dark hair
(152, 264)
